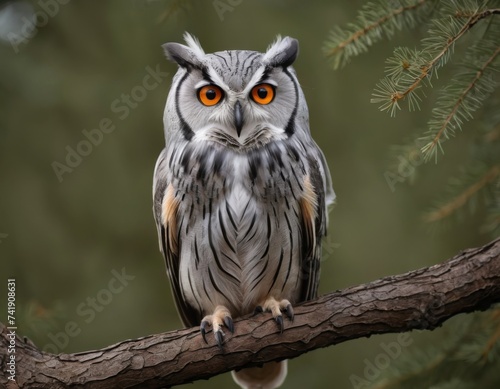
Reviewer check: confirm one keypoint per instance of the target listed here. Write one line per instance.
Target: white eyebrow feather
(216, 78)
(255, 78)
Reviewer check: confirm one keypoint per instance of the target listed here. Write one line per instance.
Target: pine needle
(457, 104)
(408, 70)
(373, 21)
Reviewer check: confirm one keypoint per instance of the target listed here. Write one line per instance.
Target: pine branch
(372, 20)
(421, 299)
(481, 15)
(407, 75)
(462, 108)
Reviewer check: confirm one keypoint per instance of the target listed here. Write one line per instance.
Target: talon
(258, 309)
(279, 320)
(203, 330)
(289, 312)
(219, 318)
(276, 307)
(228, 322)
(219, 338)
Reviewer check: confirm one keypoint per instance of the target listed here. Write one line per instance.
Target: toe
(221, 317)
(276, 308)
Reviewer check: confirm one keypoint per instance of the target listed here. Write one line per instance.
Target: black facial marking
(205, 75)
(249, 67)
(186, 130)
(222, 58)
(290, 127)
(265, 74)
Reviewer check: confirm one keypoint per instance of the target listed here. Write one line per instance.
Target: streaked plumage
(240, 191)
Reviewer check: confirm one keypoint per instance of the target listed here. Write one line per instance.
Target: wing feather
(313, 221)
(166, 210)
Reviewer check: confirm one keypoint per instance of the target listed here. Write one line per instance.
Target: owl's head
(238, 98)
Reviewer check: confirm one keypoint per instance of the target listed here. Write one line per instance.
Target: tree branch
(421, 299)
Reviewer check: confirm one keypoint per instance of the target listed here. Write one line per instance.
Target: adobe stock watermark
(426, 318)
(87, 310)
(3, 236)
(407, 164)
(122, 107)
(307, 267)
(329, 248)
(223, 6)
(381, 362)
(29, 20)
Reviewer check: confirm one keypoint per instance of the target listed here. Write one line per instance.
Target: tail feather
(270, 376)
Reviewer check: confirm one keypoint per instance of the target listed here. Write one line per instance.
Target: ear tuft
(185, 56)
(282, 52)
(194, 44)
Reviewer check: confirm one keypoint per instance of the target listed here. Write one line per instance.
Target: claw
(228, 322)
(219, 338)
(203, 330)
(279, 320)
(289, 312)
(258, 309)
(219, 318)
(276, 307)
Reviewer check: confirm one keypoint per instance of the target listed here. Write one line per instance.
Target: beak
(238, 117)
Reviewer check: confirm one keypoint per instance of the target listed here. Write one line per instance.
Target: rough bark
(421, 299)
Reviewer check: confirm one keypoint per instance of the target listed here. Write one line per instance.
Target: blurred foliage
(472, 86)
(62, 236)
(469, 356)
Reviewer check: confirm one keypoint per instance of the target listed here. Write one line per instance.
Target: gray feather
(242, 199)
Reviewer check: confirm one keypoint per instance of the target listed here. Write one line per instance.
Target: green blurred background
(62, 240)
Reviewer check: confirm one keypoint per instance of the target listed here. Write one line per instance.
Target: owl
(240, 191)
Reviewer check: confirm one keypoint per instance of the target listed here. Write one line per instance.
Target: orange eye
(263, 93)
(210, 95)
